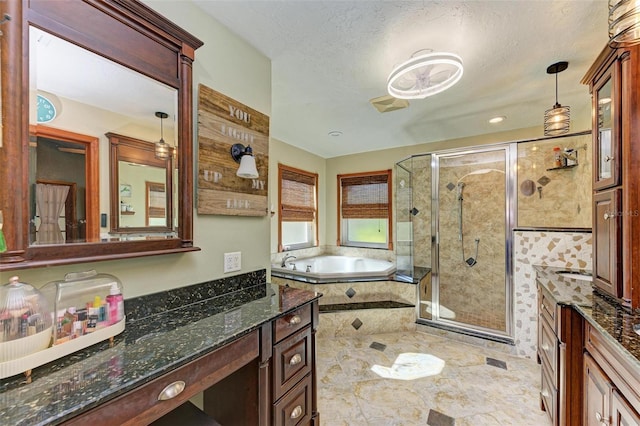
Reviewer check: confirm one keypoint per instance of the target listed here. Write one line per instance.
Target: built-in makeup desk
(251, 351)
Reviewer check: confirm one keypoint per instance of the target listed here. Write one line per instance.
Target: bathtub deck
(362, 308)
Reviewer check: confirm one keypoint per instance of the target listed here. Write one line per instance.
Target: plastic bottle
(557, 157)
(115, 301)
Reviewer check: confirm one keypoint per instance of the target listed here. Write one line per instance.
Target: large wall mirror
(90, 96)
(86, 184)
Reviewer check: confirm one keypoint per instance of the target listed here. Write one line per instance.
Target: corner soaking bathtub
(334, 268)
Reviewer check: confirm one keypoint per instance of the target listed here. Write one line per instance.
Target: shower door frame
(510, 159)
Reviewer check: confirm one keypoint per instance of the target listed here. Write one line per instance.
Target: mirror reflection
(139, 186)
(76, 99)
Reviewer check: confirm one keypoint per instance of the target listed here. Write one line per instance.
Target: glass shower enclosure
(454, 215)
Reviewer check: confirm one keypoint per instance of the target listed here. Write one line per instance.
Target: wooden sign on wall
(223, 122)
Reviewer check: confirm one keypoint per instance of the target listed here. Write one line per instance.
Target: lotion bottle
(115, 301)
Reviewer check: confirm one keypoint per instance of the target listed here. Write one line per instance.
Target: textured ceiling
(329, 58)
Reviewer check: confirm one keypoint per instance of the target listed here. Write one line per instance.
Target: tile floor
(472, 389)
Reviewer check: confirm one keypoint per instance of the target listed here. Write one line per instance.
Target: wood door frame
(91, 171)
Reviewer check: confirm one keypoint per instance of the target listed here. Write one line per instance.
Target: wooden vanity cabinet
(266, 377)
(560, 330)
(611, 386)
(293, 359)
(614, 83)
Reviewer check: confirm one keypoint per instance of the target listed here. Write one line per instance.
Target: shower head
(459, 190)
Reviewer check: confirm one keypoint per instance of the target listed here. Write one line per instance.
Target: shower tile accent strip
(570, 250)
(496, 363)
(436, 418)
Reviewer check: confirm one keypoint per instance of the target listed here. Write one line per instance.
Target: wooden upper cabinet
(614, 82)
(606, 128)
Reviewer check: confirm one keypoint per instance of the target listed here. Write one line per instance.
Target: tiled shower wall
(561, 197)
(571, 250)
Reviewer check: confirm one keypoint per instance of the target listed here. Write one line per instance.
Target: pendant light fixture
(425, 74)
(557, 119)
(244, 156)
(624, 23)
(162, 148)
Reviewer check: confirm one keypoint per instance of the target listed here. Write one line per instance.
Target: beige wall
(280, 152)
(231, 66)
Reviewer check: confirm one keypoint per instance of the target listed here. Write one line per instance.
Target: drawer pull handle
(608, 158)
(296, 359)
(171, 390)
(297, 412)
(607, 216)
(295, 320)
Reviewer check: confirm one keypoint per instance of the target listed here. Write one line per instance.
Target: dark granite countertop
(148, 348)
(616, 323)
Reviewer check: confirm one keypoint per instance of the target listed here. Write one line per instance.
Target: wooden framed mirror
(137, 179)
(134, 38)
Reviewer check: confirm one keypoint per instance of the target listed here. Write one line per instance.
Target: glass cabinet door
(606, 136)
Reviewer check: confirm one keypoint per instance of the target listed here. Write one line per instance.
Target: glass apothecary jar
(25, 320)
(84, 303)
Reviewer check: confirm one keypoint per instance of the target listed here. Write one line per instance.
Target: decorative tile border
(571, 250)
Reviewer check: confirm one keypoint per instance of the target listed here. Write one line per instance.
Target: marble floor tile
(468, 390)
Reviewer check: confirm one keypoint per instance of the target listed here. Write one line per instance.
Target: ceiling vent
(388, 103)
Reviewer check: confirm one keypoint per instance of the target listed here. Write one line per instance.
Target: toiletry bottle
(116, 304)
(557, 157)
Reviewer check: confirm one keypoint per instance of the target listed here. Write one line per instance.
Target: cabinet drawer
(549, 350)
(141, 406)
(549, 310)
(296, 406)
(292, 322)
(549, 396)
(292, 360)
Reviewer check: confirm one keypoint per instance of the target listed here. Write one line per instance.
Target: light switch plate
(232, 262)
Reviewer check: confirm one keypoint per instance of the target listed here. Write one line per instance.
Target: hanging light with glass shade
(161, 148)
(624, 23)
(557, 119)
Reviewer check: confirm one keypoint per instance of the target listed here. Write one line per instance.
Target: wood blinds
(365, 196)
(298, 195)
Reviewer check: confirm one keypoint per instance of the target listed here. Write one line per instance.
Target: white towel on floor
(410, 366)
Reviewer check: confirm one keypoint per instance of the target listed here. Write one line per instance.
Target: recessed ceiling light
(498, 119)
(335, 133)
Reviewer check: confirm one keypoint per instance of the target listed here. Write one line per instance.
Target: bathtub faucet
(284, 260)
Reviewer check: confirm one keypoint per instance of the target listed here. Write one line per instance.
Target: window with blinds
(298, 194)
(364, 213)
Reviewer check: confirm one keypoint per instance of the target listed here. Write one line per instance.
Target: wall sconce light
(557, 119)
(624, 23)
(244, 156)
(162, 148)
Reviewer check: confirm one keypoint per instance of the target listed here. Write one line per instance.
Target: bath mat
(410, 366)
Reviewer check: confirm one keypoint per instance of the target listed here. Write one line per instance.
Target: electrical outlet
(232, 262)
